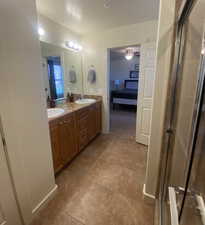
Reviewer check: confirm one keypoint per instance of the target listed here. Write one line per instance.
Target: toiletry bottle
(52, 103)
(71, 97)
(48, 101)
(68, 97)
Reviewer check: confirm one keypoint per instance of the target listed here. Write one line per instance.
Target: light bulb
(128, 57)
(41, 31)
(71, 44)
(80, 47)
(75, 46)
(129, 54)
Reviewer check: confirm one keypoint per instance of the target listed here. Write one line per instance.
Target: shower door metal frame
(166, 157)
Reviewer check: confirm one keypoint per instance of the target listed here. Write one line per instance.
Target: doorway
(140, 74)
(123, 89)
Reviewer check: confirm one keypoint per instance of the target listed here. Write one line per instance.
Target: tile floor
(103, 185)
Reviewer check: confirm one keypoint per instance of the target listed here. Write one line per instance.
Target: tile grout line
(77, 220)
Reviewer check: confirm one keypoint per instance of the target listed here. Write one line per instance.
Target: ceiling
(84, 16)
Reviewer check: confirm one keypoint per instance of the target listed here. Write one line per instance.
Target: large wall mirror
(62, 71)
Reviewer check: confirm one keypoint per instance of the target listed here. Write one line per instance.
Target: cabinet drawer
(82, 113)
(83, 123)
(67, 119)
(83, 140)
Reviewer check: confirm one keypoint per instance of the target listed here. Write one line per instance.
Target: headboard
(131, 84)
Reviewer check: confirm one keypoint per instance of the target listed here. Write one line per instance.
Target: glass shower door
(184, 114)
(194, 207)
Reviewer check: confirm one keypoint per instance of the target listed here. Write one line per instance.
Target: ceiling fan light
(128, 57)
(129, 54)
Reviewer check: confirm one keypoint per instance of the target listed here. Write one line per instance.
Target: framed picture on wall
(133, 74)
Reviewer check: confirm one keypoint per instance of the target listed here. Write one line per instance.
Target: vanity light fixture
(80, 48)
(70, 44)
(41, 31)
(73, 45)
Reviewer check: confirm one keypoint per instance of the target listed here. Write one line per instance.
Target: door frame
(107, 88)
(13, 206)
(108, 83)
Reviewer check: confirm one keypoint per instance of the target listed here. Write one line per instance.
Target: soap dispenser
(51, 102)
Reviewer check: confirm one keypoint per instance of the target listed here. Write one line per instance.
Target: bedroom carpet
(103, 185)
(123, 123)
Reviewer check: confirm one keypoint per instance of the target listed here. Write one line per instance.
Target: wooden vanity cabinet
(88, 124)
(68, 142)
(82, 121)
(92, 122)
(55, 145)
(63, 141)
(72, 132)
(98, 117)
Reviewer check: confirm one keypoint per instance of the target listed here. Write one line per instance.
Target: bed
(127, 95)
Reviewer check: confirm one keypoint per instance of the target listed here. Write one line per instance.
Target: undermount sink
(85, 101)
(54, 112)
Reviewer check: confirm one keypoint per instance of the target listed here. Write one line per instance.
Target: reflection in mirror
(62, 71)
(55, 77)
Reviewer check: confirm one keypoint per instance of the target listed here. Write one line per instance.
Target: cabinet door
(55, 145)
(92, 122)
(98, 117)
(68, 143)
(82, 120)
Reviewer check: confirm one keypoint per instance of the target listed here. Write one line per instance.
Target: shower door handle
(173, 206)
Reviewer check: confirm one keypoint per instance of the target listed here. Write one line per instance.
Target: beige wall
(23, 106)
(164, 52)
(120, 68)
(95, 53)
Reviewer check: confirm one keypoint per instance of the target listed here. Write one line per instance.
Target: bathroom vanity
(72, 125)
(73, 130)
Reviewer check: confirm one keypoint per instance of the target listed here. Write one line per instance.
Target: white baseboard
(45, 200)
(148, 197)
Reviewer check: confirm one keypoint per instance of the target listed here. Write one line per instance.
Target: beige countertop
(70, 108)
